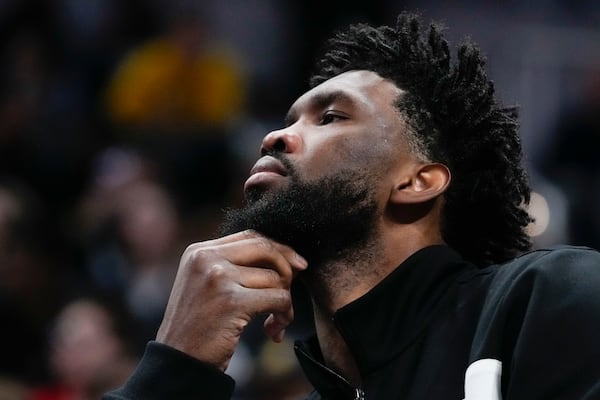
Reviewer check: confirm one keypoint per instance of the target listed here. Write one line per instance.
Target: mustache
(252, 195)
(289, 167)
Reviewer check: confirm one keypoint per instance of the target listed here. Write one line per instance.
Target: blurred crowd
(126, 127)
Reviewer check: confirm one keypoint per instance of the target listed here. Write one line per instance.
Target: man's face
(349, 122)
(323, 181)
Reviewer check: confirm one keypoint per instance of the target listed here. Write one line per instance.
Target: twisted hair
(453, 118)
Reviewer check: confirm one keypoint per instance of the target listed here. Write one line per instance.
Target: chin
(255, 193)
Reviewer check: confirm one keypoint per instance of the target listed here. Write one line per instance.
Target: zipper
(359, 394)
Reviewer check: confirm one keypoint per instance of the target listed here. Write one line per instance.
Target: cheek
(373, 149)
(343, 156)
(325, 157)
(375, 157)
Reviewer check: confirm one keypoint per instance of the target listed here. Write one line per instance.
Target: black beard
(322, 221)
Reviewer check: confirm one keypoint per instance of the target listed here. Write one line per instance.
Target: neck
(332, 286)
(336, 353)
(338, 283)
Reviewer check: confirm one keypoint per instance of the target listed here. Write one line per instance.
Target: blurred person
(396, 194)
(148, 228)
(89, 352)
(55, 60)
(29, 282)
(178, 82)
(12, 390)
(113, 171)
(42, 116)
(176, 97)
(132, 232)
(24, 80)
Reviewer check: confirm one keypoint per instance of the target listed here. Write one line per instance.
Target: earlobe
(427, 182)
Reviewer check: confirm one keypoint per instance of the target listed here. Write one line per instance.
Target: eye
(330, 117)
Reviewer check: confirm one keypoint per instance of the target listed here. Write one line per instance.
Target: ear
(426, 182)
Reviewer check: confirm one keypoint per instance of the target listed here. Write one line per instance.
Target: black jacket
(440, 328)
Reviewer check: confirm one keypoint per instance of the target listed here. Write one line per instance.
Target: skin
(349, 121)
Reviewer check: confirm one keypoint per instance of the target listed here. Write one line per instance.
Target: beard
(326, 220)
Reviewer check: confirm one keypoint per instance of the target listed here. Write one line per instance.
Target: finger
(275, 326)
(293, 258)
(260, 278)
(262, 252)
(224, 239)
(265, 301)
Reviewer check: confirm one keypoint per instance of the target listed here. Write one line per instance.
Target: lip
(266, 168)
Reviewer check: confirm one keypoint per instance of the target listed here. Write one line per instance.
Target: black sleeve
(556, 354)
(165, 373)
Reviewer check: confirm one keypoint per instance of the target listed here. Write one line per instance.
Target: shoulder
(555, 284)
(567, 268)
(542, 309)
(557, 255)
(548, 293)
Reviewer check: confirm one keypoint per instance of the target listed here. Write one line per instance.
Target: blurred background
(126, 127)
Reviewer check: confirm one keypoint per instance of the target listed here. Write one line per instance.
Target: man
(395, 194)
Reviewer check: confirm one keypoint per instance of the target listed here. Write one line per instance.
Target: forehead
(361, 88)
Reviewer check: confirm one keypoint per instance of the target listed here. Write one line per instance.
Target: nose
(283, 141)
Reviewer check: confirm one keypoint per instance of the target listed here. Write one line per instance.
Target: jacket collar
(378, 326)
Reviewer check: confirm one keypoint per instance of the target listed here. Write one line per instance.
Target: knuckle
(285, 274)
(275, 277)
(197, 258)
(249, 233)
(189, 253)
(264, 243)
(215, 274)
(217, 281)
(190, 248)
(206, 264)
(284, 299)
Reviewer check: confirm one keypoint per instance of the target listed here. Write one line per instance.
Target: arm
(220, 286)
(166, 373)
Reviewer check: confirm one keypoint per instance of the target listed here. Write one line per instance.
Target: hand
(220, 286)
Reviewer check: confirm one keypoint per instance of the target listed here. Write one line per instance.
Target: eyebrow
(321, 101)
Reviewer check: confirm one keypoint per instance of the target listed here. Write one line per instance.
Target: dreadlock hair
(453, 118)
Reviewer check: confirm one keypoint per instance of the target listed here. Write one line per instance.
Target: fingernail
(302, 263)
(279, 337)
